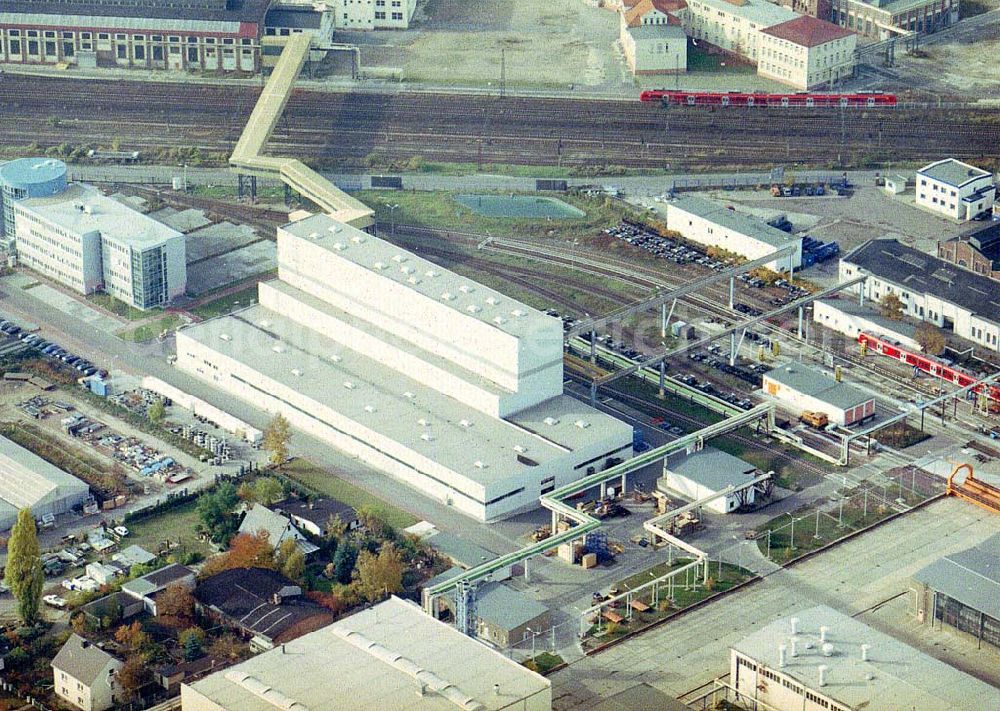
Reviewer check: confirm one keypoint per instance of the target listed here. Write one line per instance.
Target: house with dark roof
(962, 590)
(977, 250)
(83, 675)
(149, 586)
(262, 604)
(929, 288)
(806, 52)
(313, 516)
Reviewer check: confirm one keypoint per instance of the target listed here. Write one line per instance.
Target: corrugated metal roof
(971, 576)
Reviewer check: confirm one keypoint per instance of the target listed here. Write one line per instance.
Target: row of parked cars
(50, 349)
(663, 247)
(750, 373)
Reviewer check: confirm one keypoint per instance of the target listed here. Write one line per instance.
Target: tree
(294, 566)
(23, 574)
(226, 646)
(276, 438)
(930, 337)
(335, 528)
(245, 551)
(373, 519)
(380, 575)
(343, 562)
(891, 307)
(175, 605)
(157, 411)
(192, 641)
(215, 509)
(267, 490)
(132, 676)
(132, 637)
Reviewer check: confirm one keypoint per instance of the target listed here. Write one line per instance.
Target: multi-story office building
(445, 384)
(90, 243)
(882, 19)
(734, 26)
(26, 178)
(956, 189)
(806, 53)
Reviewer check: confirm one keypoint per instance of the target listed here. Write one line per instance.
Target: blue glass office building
(27, 178)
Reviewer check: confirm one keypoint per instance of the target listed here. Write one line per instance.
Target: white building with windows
(734, 26)
(930, 289)
(447, 385)
(706, 473)
(824, 660)
(90, 242)
(713, 225)
(956, 189)
(806, 53)
(372, 14)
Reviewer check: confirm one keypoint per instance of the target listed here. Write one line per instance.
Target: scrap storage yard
(345, 129)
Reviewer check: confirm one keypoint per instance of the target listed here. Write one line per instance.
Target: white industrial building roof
(483, 449)
(952, 172)
(82, 208)
(422, 276)
(390, 657)
(712, 468)
(730, 219)
(971, 576)
(896, 677)
(760, 12)
(818, 385)
(28, 481)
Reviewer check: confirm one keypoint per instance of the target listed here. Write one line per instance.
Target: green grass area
(329, 484)
(149, 331)
(901, 435)
(543, 663)
(117, 307)
(698, 60)
(176, 525)
(221, 192)
(226, 304)
(439, 210)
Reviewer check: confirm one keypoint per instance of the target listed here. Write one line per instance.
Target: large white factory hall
(426, 375)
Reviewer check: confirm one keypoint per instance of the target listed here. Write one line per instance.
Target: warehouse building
(26, 178)
(930, 289)
(806, 53)
(90, 242)
(445, 384)
(710, 224)
(956, 189)
(977, 250)
(28, 481)
(391, 657)
(884, 19)
(850, 318)
(706, 473)
(962, 590)
(824, 659)
(806, 390)
(203, 35)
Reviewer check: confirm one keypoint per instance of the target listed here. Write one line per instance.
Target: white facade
(28, 481)
(654, 49)
(969, 313)
(372, 14)
(445, 384)
(807, 390)
(734, 27)
(955, 189)
(711, 224)
(83, 675)
(794, 60)
(707, 472)
(840, 317)
(90, 242)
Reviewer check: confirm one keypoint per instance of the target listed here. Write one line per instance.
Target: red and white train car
(797, 99)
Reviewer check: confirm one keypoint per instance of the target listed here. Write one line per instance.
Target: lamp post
(392, 221)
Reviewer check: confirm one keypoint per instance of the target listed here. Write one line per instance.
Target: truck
(819, 420)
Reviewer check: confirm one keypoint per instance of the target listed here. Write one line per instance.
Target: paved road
(851, 578)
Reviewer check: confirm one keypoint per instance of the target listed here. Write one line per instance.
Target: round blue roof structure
(34, 174)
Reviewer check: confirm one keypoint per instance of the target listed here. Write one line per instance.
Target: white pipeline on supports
(732, 292)
(527, 578)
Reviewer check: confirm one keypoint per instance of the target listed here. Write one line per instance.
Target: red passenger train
(738, 98)
(926, 364)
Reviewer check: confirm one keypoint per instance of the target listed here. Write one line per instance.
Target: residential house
(313, 515)
(277, 526)
(147, 587)
(83, 675)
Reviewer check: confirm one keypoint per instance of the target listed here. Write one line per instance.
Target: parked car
(121, 531)
(55, 601)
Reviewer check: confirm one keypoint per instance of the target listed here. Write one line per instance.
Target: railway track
(326, 128)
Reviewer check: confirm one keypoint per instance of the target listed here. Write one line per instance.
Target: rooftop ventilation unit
(466, 289)
(499, 320)
(413, 280)
(380, 265)
(424, 422)
(349, 385)
(336, 358)
(278, 349)
(369, 408)
(339, 246)
(264, 323)
(479, 464)
(314, 235)
(406, 269)
(492, 300)
(465, 423)
(521, 449)
(550, 421)
(408, 395)
(296, 372)
(582, 424)
(518, 313)
(225, 337)
(399, 258)
(448, 296)
(427, 437)
(473, 309)
(431, 273)
(358, 239)
(334, 228)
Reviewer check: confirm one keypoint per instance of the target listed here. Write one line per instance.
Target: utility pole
(503, 71)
